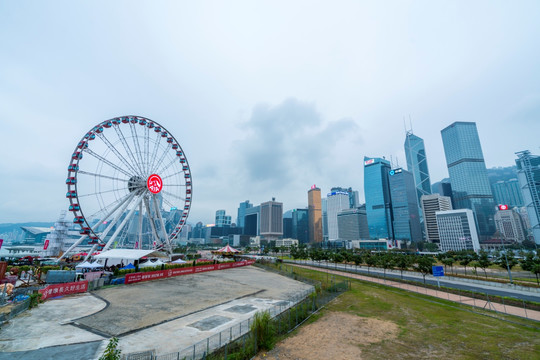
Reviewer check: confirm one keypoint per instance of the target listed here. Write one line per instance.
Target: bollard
(524, 308)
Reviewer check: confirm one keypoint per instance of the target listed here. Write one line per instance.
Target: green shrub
(111, 352)
(263, 330)
(35, 299)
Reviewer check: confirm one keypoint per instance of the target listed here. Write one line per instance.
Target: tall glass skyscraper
(240, 221)
(415, 154)
(468, 175)
(406, 222)
(507, 193)
(377, 195)
(529, 179)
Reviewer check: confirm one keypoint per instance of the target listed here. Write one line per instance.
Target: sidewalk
(478, 303)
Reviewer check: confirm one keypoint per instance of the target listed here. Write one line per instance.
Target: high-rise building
(352, 224)
(354, 202)
(468, 175)
(315, 225)
(406, 222)
(287, 224)
(271, 219)
(528, 166)
(377, 195)
(222, 219)
(336, 201)
(415, 153)
(509, 224)
(324, 206)
(300, 225)
(252, 221)
(430, 205)
(242, 213)
(457, 230)
(507, 193)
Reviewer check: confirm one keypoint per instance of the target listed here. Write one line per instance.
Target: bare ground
(337, 336)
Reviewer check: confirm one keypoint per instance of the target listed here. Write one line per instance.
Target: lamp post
(501, 235)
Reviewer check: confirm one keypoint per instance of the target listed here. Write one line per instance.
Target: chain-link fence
(14, 311)
(239, 338)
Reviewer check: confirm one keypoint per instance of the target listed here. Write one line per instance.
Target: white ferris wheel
(129, 186)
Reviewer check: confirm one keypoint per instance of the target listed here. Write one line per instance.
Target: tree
(465, 260)
(111, 352)
(371, 260)
(531, 263)
(448, 261)
(386, 261)
(431, 247)
(403, 262)
(483, 261)
(424, 264)
(294, 251)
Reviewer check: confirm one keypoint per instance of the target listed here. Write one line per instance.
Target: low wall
(162, 274)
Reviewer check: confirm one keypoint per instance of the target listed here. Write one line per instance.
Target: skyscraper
(430, 205)
(315, 215)
(468, 175)
(352, 224)
(528, 166)
(336, 201)
(222, 219)
(300, 225)
(287, 224)
(508, 193)
(377, 195)
(240, 221)
(457, 230)
(415, 153)
(406, 223)
(271, 219)
(509, 224)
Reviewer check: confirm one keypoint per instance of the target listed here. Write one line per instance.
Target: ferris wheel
(129, 186)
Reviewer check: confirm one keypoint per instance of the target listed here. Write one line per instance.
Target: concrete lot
(165, 315)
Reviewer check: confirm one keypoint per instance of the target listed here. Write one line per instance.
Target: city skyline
(255, 124)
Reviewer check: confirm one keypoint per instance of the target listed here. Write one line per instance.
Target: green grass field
(433, 328)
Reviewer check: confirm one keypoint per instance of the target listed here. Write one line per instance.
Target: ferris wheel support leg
(112, 223)
(90, 252)
(166, 237)
(75, 244)
(122, 224)
(151, 220)
(140, 225)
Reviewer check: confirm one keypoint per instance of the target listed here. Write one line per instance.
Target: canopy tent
(151, 264)
(88, 265)
(226, 250)
(178, 261)
(128, 267)
(130, 254)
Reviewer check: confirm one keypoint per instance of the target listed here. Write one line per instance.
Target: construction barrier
(162, 274)
(51, 291)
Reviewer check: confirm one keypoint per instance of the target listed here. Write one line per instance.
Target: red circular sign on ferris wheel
(154, 183)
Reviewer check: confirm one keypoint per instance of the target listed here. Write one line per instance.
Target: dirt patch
(335, 336)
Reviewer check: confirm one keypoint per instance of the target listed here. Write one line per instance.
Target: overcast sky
(265, 97)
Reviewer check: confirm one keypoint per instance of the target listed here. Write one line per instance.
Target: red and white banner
(161, 274)
(63, 289)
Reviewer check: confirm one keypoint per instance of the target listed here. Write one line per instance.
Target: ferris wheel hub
(135, 183)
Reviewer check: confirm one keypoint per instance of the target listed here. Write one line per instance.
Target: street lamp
(501, 235)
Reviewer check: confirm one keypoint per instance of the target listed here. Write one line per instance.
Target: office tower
(507, 193)
(430, 205)
(509, 224)
(336, 201)
(222, 219)
(457, 230)
(252, 223)
(528, 167)
(377, 195)
(300, 225)
(353, 195)
(287, 224)
(315, 215)
(415, 153)
(271, 219)
(468, 175)
(404, 203)
(242, 213)
(324, 205)
(352, 224)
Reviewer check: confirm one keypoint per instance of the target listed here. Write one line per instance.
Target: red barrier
(153, 275)
(63, 289)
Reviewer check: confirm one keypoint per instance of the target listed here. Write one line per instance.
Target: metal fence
(15, 310)
(287, 314)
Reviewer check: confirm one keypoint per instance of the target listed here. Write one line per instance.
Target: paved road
(454, 283)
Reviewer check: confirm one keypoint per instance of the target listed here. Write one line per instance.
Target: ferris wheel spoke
(118, 202)
(105, 161)
(123, 223)
(125, 204)
(117, 153)
(97, 193)
(166, 167)
(154, 168)
(170, 176)
(168, 203)
(147, 148)
(154, 152)
(174, 185)
(137, 146)
(102, 176)
(123, 140)
(173, 195)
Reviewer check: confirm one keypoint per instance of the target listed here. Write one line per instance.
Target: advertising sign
(63, 289)
(1, 242)
(46, 244)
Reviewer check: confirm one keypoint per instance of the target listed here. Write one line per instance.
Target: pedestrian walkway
(477, 303)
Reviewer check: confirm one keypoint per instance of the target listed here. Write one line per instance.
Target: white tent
(151, 264)
(88, 265)
(129, 254)
(178, 261)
